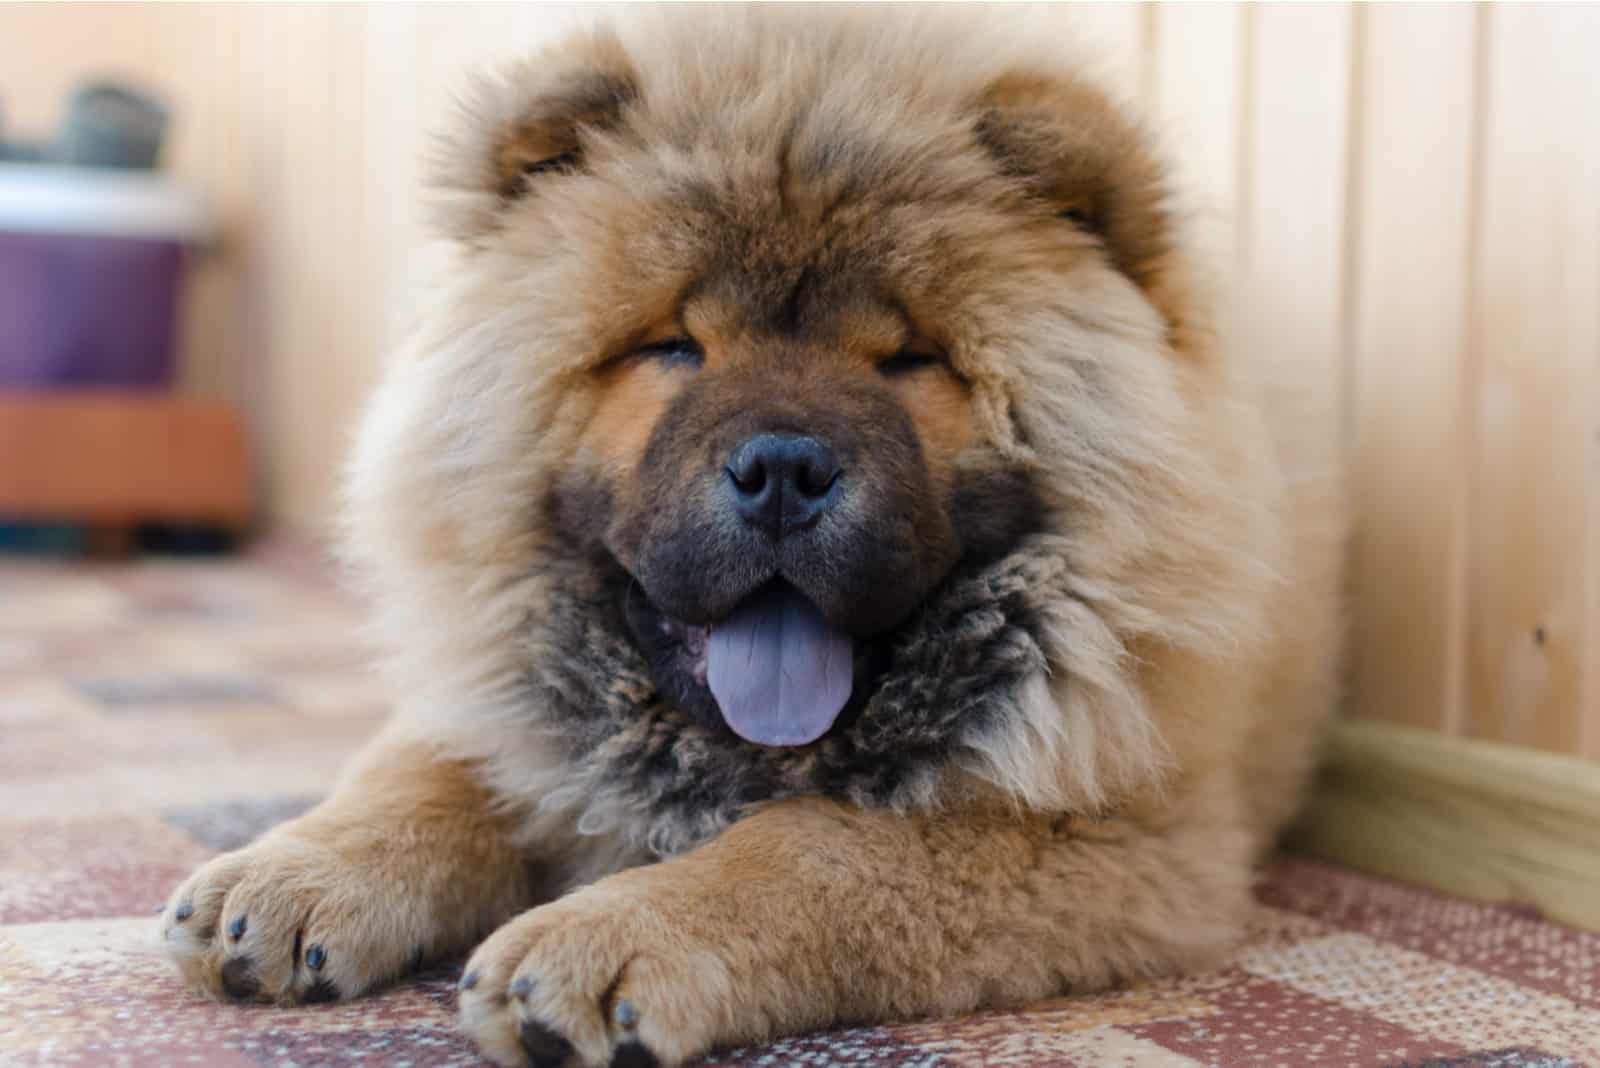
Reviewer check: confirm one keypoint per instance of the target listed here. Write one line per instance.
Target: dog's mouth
(775, 672)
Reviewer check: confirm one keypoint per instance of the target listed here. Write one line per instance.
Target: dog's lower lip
(686, 631)
(694, 640)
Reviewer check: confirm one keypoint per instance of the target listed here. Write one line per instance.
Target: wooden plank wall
(1408, 193)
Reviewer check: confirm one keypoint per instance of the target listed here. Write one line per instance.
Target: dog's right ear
(530, 122)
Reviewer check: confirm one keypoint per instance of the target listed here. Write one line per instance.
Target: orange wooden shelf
(114, 458)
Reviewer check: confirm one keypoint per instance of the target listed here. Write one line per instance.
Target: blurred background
(1408, 195)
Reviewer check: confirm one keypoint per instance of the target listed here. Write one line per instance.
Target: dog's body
(879, 334)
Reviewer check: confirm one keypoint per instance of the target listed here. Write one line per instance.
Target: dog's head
(786, 467)
(763, 331)
(781, 446)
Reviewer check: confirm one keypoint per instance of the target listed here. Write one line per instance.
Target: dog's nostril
(815, 481)
(781, 482)
(750, 477)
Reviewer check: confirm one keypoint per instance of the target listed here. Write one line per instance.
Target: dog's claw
(544, 1047)
(239, 980)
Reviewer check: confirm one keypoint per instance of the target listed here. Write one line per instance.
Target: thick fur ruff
(955, 681)
(1158, 484)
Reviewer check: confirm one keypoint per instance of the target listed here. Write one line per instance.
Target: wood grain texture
(1197, 60)
(1475, 819)
(1291, 305)
(1414, 169)
(1535, 321)
(1197, 91)
(1116, 35)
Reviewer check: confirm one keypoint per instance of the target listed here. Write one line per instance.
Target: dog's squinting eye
(566, 161)
(908, 361)
(674, 352)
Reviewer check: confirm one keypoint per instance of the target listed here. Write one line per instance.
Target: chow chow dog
(830, 570)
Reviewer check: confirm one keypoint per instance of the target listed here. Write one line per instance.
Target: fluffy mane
(1031, 676)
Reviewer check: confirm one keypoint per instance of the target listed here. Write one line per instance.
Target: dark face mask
(949, 679)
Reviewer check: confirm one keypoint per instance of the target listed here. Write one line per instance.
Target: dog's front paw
(293, 919)
(602, 977)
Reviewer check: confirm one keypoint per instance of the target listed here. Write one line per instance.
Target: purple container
(78, 310)
(91, 270)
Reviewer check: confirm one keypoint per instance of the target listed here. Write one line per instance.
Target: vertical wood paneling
(392, 152)
(298, 225)
(45, 53)
(1414, 169)
(1291, 304)
(1538, 275)
(1196, 53)
(248, 243)
(1114, 35)
(1196, 78)
(351, 338)
(198, 53)
(1589, 696)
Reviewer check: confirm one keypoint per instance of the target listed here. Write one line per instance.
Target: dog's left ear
(1082, 157)
(527, 125)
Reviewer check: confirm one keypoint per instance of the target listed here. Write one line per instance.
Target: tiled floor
(153, 714)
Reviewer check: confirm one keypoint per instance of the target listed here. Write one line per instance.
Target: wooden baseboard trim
(1470, 818)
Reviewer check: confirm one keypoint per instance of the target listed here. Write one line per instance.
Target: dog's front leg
(408, 861)
(811, 913)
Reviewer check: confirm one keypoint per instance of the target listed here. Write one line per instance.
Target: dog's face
(785, 464)
(758, 327)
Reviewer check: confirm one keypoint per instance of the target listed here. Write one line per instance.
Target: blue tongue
(781, 675)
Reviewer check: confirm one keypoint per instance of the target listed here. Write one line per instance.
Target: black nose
(783, 482)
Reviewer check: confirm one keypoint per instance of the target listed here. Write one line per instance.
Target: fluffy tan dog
(832, 573)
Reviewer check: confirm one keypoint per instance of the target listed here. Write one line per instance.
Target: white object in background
(39, 198)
